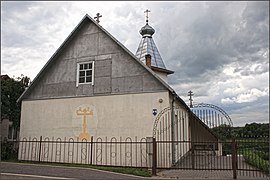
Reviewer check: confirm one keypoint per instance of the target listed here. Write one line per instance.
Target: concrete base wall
(127, 115)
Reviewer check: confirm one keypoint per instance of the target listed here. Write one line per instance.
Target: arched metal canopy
(199, 105)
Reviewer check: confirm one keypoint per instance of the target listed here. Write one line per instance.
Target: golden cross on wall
(84, 112)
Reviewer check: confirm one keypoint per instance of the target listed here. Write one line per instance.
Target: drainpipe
(173, 128)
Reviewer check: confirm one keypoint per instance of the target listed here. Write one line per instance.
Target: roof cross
(147, 11)
(190, 94)
(97, 17)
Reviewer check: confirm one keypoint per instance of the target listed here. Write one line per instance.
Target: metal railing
(107, 152)
(242, 156)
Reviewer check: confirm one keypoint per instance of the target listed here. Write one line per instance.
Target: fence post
(39, 154)
(91, 154)
(234, 159)
(154, 160)
(192, 155)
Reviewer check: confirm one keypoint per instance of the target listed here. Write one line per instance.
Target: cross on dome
(146, 12)
(147, 46)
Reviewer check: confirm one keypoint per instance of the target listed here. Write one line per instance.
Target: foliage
(260, 147)
(133, 171)
(255, 129)
(223, 131)
(8, 150)
(11, 90)
(226, 148)
(251, 130)
(254, 159)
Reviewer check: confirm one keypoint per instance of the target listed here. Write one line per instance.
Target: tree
(256, 129)
(223, 131)
(11, 90)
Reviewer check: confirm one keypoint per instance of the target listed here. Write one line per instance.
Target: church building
(93, 86)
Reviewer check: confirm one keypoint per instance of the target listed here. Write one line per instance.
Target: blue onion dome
(147, 31)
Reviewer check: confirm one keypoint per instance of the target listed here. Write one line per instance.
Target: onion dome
(147, 46)
(147, 31)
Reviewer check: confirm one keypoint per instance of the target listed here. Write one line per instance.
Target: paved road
(211, 162)
(36, 171)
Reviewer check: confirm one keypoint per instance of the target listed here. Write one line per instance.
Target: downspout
(173, 128)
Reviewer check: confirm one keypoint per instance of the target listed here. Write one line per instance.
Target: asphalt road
(36, 171)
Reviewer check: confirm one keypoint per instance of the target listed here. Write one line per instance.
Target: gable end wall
(116, 72)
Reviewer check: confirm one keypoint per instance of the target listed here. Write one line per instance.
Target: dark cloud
(220, 50)
(242, 113)
(25, 20)
(213, 41)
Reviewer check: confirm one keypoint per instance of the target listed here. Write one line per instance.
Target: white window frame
(78, 73)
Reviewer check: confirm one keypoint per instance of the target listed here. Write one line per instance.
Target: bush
(8, 151)
(226, 149)
(253, 158)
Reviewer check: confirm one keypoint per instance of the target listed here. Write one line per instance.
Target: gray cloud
(220, 50)
(213, 40)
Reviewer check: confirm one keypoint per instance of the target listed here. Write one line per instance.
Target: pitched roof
(5, 77)
(148, 46)
(69, 38)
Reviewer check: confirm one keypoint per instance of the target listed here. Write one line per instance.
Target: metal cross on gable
(97, 17)
(147, 11)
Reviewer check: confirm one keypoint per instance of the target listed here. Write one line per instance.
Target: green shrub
(226, 149)
(8, 152)
(254, 159)
(125, 170)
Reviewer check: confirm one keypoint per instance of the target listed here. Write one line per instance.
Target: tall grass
(253, 158)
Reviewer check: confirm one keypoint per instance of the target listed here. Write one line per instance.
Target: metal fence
(101, 151)
(252, 156)
(242, 156)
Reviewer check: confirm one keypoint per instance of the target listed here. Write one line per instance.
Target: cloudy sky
(219, 50)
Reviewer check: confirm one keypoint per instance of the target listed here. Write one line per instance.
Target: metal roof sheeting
(148, 46)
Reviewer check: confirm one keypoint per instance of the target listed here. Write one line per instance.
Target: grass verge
(255, 160)
(124, 170)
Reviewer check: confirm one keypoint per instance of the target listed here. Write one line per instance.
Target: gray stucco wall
(116, 72)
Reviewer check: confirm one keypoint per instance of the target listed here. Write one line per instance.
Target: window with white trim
(85, 73)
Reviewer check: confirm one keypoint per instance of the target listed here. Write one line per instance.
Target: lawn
(124, 170)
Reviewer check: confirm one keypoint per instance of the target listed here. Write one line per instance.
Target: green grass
(133, 171)
(124, 170)
(253, 158)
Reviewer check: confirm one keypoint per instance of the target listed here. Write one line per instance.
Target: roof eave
(162, 70)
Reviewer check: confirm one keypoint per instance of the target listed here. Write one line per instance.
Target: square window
(85, 73)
